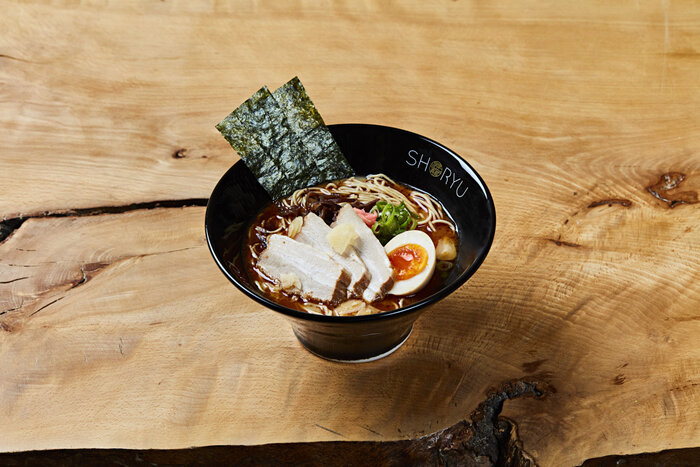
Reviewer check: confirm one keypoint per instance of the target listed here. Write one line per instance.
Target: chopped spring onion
(392, 220)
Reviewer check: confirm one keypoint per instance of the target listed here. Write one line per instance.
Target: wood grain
(117, 330)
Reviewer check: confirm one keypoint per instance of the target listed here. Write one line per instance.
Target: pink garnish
(369, 218)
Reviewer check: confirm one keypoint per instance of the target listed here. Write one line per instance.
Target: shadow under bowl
(407, 158)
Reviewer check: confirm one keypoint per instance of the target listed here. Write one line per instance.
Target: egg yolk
(408, 261)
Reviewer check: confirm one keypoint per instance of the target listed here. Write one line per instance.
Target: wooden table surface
(118, 330)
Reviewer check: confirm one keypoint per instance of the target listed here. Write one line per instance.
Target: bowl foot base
(359, 360)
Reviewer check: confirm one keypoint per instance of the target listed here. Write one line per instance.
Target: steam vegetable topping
(392, 220)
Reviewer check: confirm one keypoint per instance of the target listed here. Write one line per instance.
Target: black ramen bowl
(407, 158)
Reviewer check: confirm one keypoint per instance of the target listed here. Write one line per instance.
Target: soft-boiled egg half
(412, 257)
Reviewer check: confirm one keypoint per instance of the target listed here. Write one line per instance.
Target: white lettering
(448, 172)
(463, 193)
(413, 157)
(418, 160)
(426, 162)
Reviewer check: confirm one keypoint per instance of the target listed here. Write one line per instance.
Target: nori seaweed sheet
(300, 110)
(289, 154)
(317, 141)
(333, 164)
(269, 123)
(252, 130)
(237, 135)
(282, 139)
(261, 117)
(274, 181)
(326, 155)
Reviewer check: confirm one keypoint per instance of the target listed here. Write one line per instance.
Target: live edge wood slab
(118, 331)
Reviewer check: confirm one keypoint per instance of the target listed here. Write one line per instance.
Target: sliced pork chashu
(305, 269)
(371, 253)
(314, 232)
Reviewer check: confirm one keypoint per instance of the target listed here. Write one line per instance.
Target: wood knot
(668, 182)
(182, 154)
(179, 154)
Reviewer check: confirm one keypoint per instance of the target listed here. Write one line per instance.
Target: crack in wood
(14, 280)
(370, 430)
(82, 280)
(21, 304)
(9, 226)
(564, 243)
(88, 271)
(668, 182)
(329, 430)
(47, 305)
(621, 201)
(10, 57)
